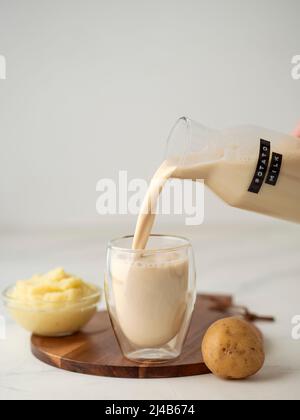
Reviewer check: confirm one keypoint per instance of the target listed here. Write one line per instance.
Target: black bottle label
(262, 167)
(275, 168)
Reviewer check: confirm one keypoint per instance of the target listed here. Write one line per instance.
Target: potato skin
(233, 349)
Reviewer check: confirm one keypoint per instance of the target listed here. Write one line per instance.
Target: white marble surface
(260, 264)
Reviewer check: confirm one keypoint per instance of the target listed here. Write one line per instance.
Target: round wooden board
(95, 350)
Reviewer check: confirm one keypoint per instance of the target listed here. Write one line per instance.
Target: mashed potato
(53, 304)
(54, 287)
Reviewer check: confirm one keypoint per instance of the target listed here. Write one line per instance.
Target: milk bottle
(250, 168)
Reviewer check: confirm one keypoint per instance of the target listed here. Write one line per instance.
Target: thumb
(296, 132)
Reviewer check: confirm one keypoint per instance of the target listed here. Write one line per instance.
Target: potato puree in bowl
(53, 304)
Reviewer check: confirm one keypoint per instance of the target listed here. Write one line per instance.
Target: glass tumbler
(150, 296)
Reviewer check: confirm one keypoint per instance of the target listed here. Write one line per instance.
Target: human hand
(296, 132)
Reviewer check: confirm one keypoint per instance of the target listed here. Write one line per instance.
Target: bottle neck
(190, 143)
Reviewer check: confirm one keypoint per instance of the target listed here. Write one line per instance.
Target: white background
(94, 86)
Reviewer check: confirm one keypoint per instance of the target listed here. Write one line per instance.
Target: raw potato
(233, 349)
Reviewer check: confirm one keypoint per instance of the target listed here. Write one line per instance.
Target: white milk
(151, 297)
(146, 217)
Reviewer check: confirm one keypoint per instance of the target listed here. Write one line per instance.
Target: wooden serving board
(95, 350)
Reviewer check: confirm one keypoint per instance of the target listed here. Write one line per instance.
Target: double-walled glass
(150, 296)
